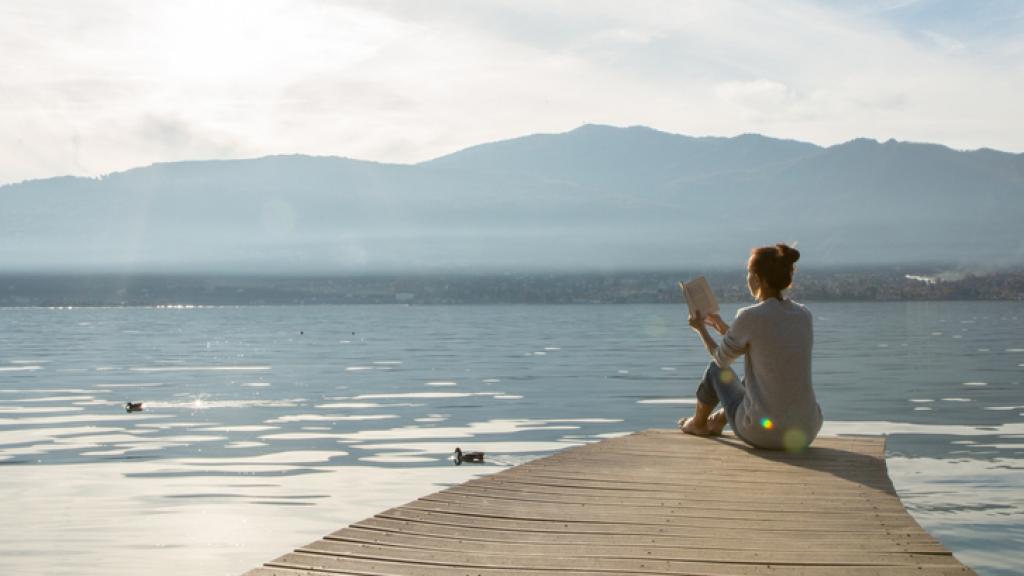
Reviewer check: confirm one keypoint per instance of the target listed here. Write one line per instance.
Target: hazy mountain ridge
(597, 197)
(596, 155)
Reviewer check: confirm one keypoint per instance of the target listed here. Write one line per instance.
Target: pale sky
(88, 87)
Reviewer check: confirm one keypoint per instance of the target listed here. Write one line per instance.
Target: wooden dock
(654, 502)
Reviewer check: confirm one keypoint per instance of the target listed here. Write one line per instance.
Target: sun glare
(265, 42)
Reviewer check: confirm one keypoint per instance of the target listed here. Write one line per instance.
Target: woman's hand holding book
(716, 322)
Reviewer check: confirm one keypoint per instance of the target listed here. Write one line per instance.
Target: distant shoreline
(165, 289)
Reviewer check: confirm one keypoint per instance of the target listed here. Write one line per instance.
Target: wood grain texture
(654, 502)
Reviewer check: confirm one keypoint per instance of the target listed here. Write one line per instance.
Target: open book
(699, 296)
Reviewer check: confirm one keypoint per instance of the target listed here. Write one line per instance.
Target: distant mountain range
(594, 198)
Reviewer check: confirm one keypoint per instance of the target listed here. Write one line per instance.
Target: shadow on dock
(849, 464)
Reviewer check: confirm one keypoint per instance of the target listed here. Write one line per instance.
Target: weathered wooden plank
(675, 472)
(271, 571)
(709, 482)
(396, 559)
(654, 472)
(830, 455)
(660, 506)
(664, 466)
(655, 502)
(405, 569)
(652, 441)
(696, 499)
(682, 550)
(673, 478)
(711, 537)
(713, 492)
(562, 527)
(598, 513)
(807, 490)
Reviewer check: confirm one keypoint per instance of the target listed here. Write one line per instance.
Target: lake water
(268, 427)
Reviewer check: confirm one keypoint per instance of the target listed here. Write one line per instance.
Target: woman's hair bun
(788, 253)
(774, 265)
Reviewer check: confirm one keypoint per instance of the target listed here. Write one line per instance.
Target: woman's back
(780, 409)
(775, 407)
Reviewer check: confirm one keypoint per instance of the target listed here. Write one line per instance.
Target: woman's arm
(735, 338)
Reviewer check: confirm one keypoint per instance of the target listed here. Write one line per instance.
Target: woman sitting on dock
(774, 406)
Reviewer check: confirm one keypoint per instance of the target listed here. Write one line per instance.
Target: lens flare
(794, 440)
(767, 423)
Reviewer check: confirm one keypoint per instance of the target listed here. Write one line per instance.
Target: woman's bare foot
(690, 426)
(717, 422)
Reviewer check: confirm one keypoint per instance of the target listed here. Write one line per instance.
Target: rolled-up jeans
(722, 384)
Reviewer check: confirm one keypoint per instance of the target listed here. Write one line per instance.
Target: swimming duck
(133, 406)
(461, 456)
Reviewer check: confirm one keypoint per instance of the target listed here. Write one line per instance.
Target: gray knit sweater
(779, 410)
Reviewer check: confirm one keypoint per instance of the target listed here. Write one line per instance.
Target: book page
(699, 296)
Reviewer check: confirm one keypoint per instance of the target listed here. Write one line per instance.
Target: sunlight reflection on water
(219, 459)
